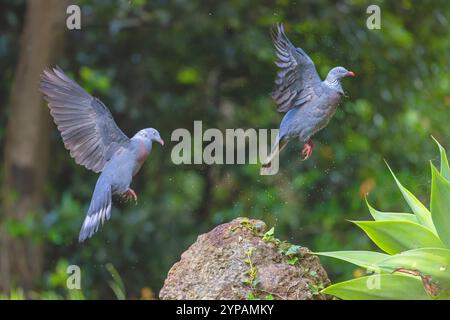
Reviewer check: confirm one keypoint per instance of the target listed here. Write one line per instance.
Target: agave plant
(416, 259)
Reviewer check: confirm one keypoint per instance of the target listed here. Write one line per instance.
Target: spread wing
(297, 77)
(85, 123)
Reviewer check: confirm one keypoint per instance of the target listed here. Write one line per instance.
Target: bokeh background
(167, 63)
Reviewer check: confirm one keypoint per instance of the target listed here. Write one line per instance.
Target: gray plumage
(308, 101)
(95, 141)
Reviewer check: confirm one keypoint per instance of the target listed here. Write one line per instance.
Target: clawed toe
(307, 150)
(129, 195)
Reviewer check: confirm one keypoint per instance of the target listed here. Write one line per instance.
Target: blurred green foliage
(165, 64)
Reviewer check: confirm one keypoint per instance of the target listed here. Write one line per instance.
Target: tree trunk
(27, 142)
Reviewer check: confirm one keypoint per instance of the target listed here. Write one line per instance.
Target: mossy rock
(241, 260)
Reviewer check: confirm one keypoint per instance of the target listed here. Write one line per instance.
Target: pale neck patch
(334, 84)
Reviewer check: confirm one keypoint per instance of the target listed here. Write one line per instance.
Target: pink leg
(130, 194)
(307, 150)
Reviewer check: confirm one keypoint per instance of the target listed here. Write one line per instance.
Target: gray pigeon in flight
(308, 101)
(95, 141)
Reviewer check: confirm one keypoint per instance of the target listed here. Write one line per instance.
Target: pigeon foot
(130, 194)
(307, 150)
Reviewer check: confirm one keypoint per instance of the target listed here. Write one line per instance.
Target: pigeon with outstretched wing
(95, 141)
(308, 101)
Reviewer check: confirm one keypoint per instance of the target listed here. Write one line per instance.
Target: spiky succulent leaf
(445, 168)
(396, 236)
(421, 212)
(440, 205)
(383, 216)
(426, 262)
(417, 265)
(364, 259)
(433, 263)
(380, 287)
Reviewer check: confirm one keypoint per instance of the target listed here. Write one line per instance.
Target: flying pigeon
(308, 101)
(95, 141)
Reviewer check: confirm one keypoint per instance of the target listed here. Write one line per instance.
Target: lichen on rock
(242, 260)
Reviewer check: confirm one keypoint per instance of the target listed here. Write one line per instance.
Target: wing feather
(297, 75)
(86, 125)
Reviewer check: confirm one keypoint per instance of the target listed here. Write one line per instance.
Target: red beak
(351, 74)
(161, 141)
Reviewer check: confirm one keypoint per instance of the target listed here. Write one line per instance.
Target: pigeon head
(149, 134)
(338, 73)
(334, 77)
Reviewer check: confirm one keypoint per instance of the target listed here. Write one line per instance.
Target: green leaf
(383, 216)
(440, 205)
(421, 212)
(364, 259)
(292, 250)
(268, 236)
(94, 80)
(445, 168)
(380, 287)
(116, 284)
(188, 75)
(251, 296)
(396, 236)
(433, 262)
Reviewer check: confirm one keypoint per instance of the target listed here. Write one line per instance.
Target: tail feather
(277, 147)
(99, 210)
